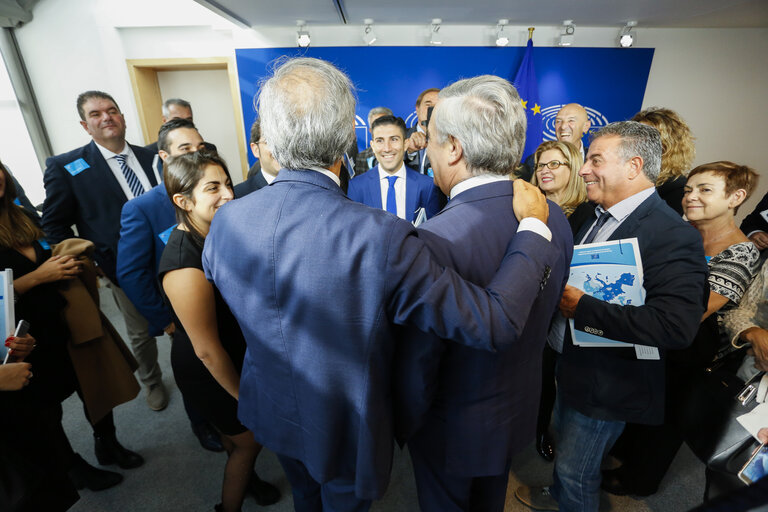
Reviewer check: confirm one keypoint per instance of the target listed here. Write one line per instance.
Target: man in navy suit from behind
(411, 189)
(482, 406)
(87, 187)
(322, 286)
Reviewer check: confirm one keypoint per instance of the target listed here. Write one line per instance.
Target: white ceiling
(591, 13)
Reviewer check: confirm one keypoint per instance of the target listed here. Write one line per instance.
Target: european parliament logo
(549, 114)
(361, 128)
(412, 119)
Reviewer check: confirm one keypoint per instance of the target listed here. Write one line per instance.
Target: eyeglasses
(552, 164)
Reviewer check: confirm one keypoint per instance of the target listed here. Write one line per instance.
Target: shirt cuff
(755, 231)
(535, 225)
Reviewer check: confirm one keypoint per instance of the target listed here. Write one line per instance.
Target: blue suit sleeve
(355, 189)
(136, 267)
(435, 201)
(60, 206)
(439, 301)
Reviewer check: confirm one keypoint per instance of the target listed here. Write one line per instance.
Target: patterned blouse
(731, 272)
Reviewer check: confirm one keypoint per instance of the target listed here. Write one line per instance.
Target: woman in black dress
(208, 346)
(35, 454)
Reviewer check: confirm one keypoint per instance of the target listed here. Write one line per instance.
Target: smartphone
(756, 467)
(22, 328)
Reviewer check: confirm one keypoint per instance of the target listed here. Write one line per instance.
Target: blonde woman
(557, 175)
(678, 152)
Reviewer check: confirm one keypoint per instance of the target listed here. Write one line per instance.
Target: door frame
(149, 101)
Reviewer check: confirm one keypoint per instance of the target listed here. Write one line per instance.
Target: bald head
(572, 123)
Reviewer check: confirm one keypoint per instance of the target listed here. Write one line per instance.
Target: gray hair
(175, 101)
(378, 111)
(485, 114)
(637, 139)
(307, 112)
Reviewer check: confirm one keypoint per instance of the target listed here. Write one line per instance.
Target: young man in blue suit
(601, 389)
(473, 410)
(391, 185)
(87, 187)
(322, 285)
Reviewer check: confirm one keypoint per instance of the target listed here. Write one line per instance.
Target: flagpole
(530, 32)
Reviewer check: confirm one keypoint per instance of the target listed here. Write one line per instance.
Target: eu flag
(528, 87)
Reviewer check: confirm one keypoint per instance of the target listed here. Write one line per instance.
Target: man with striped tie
(87, 188)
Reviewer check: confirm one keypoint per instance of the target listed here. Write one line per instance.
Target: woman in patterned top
(713, 194)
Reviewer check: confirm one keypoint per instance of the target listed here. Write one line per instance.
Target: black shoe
(208, 437)
(109, 451)
(84, 475)
(614, 483)
(544, 447)
(263, 492)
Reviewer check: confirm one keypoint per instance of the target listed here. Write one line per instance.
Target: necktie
(422, 160)
(133, 181)
(601, 220)
(391, 199)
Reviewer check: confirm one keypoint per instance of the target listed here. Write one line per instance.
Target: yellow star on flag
(525, 104)
(536, 109)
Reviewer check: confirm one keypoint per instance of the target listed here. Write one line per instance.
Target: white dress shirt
(619, 213)
(268, 177)
(399, 189)
(132, 162)
(526, 224)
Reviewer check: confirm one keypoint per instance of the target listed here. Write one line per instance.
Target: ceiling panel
(593, 13)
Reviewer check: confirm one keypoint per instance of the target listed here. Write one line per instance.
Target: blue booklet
(612, 272)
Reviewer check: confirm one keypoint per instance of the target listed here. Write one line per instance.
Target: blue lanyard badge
(165, 235)
(76, 167)
(17, 202)
(44, 244)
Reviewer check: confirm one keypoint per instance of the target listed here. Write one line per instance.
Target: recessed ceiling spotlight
(501, 36)
(435, 37)
(627, 36)
(369, 36)
(567, 36)
(302, 34)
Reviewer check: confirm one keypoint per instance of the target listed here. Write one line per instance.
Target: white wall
(209, 93)
(715, 78)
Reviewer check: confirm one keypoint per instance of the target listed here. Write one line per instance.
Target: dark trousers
(548, 390)
(441, 492)
(309, 495)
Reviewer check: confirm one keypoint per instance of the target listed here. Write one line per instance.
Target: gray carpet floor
(179, 476)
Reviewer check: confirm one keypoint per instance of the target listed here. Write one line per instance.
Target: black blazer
(672, 192)
(611, 383)
(91, 199)
(754, 221)
(252, 184)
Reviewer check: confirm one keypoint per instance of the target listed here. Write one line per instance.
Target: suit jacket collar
(103, 172)
(628, 228)
(308, 176)
(481, 192)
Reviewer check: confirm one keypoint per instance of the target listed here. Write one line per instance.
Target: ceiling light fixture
(501, 37)
(627, 36)
(369, 37)
(566, 37)
(302, 35)
(435, 38)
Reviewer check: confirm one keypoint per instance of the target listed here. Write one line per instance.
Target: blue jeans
(582, 443)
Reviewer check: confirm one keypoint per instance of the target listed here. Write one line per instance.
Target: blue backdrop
(609, 82)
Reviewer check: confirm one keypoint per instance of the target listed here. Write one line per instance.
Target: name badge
(165, 235)
(17, 202)
(76, 167)
(45, 245)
